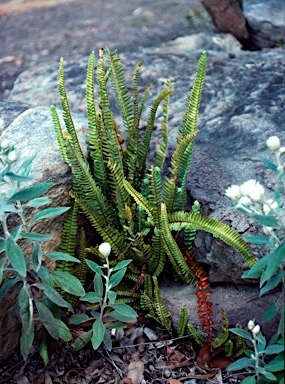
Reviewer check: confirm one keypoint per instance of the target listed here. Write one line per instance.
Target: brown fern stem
(204, 305)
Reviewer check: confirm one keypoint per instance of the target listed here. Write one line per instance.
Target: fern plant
(136, 210)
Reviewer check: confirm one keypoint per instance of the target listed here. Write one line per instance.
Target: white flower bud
(244, 200)
(233, 192)
(246, 187)
(5, 144)
(250, 325)
(256, 330)
(281, 150)
(257, 193)
(280, 168)
(273, 143)
(105, 249)
(12, 157)
(270, 205)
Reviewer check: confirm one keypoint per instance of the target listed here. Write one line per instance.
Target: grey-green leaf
(241, 332)
(26, 341)
(62, 256)
(30, 192)
(47, 319)
(16, 256)
(98, 284)
(125, 310)
(68, 283)
(117, 277)
(91, 297)
(63, 330)
(35, 236)
(78, 318)
(38, 202)
(240, 364)
(121, 265)
(94, 266)
(54, 296)
(49, 212)
(98, 333)
(82, 340)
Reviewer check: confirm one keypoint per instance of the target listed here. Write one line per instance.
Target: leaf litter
(141, 354)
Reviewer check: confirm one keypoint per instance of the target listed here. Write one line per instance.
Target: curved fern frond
(183, 318)
(94, 128)
(142, 102)
(66, 111)
(144, 145)
(189, 235)
(195, 221)
(190, 118)
(120, 89)
(161, 312)
(172, 250)
(139, 199)
(68, 239)
(110, 128)
(161, 153)
(199, 338)
(61, 140)
(158, 258)
(82, 269)
(170, 184)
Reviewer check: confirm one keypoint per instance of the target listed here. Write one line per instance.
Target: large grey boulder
(266, 22)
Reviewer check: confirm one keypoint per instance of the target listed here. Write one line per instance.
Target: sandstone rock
(227, 17)
(266, 22)
(32, 131)
(241, 303)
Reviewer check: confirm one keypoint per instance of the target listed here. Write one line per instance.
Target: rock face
(227, 17)
(242, 105)
(266, 22)
(30, 130)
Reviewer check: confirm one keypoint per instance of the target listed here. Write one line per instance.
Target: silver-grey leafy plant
(25, 273)
(109, 314)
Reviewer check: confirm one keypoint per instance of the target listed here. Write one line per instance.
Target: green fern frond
(158, 258)
(190, 120)
(68, 239)
(220, 340)
(139, 199)
(60, 138)
(240, 345)
(183, 318)
(161, 312)
(198, 337)
(154, 196)
(110, 128)
(66, 111)
(173, 252)
(94, 128)
(161, 154)
(144, 145)
(170, 184)
(195, 221)
(130, 156)
(229, 348)
(82, 269)
(189, 235)
(120, 89)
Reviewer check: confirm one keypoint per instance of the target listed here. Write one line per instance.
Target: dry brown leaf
(174, 381)
(135, 371)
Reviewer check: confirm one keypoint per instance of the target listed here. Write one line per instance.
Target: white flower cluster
(249, 191)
